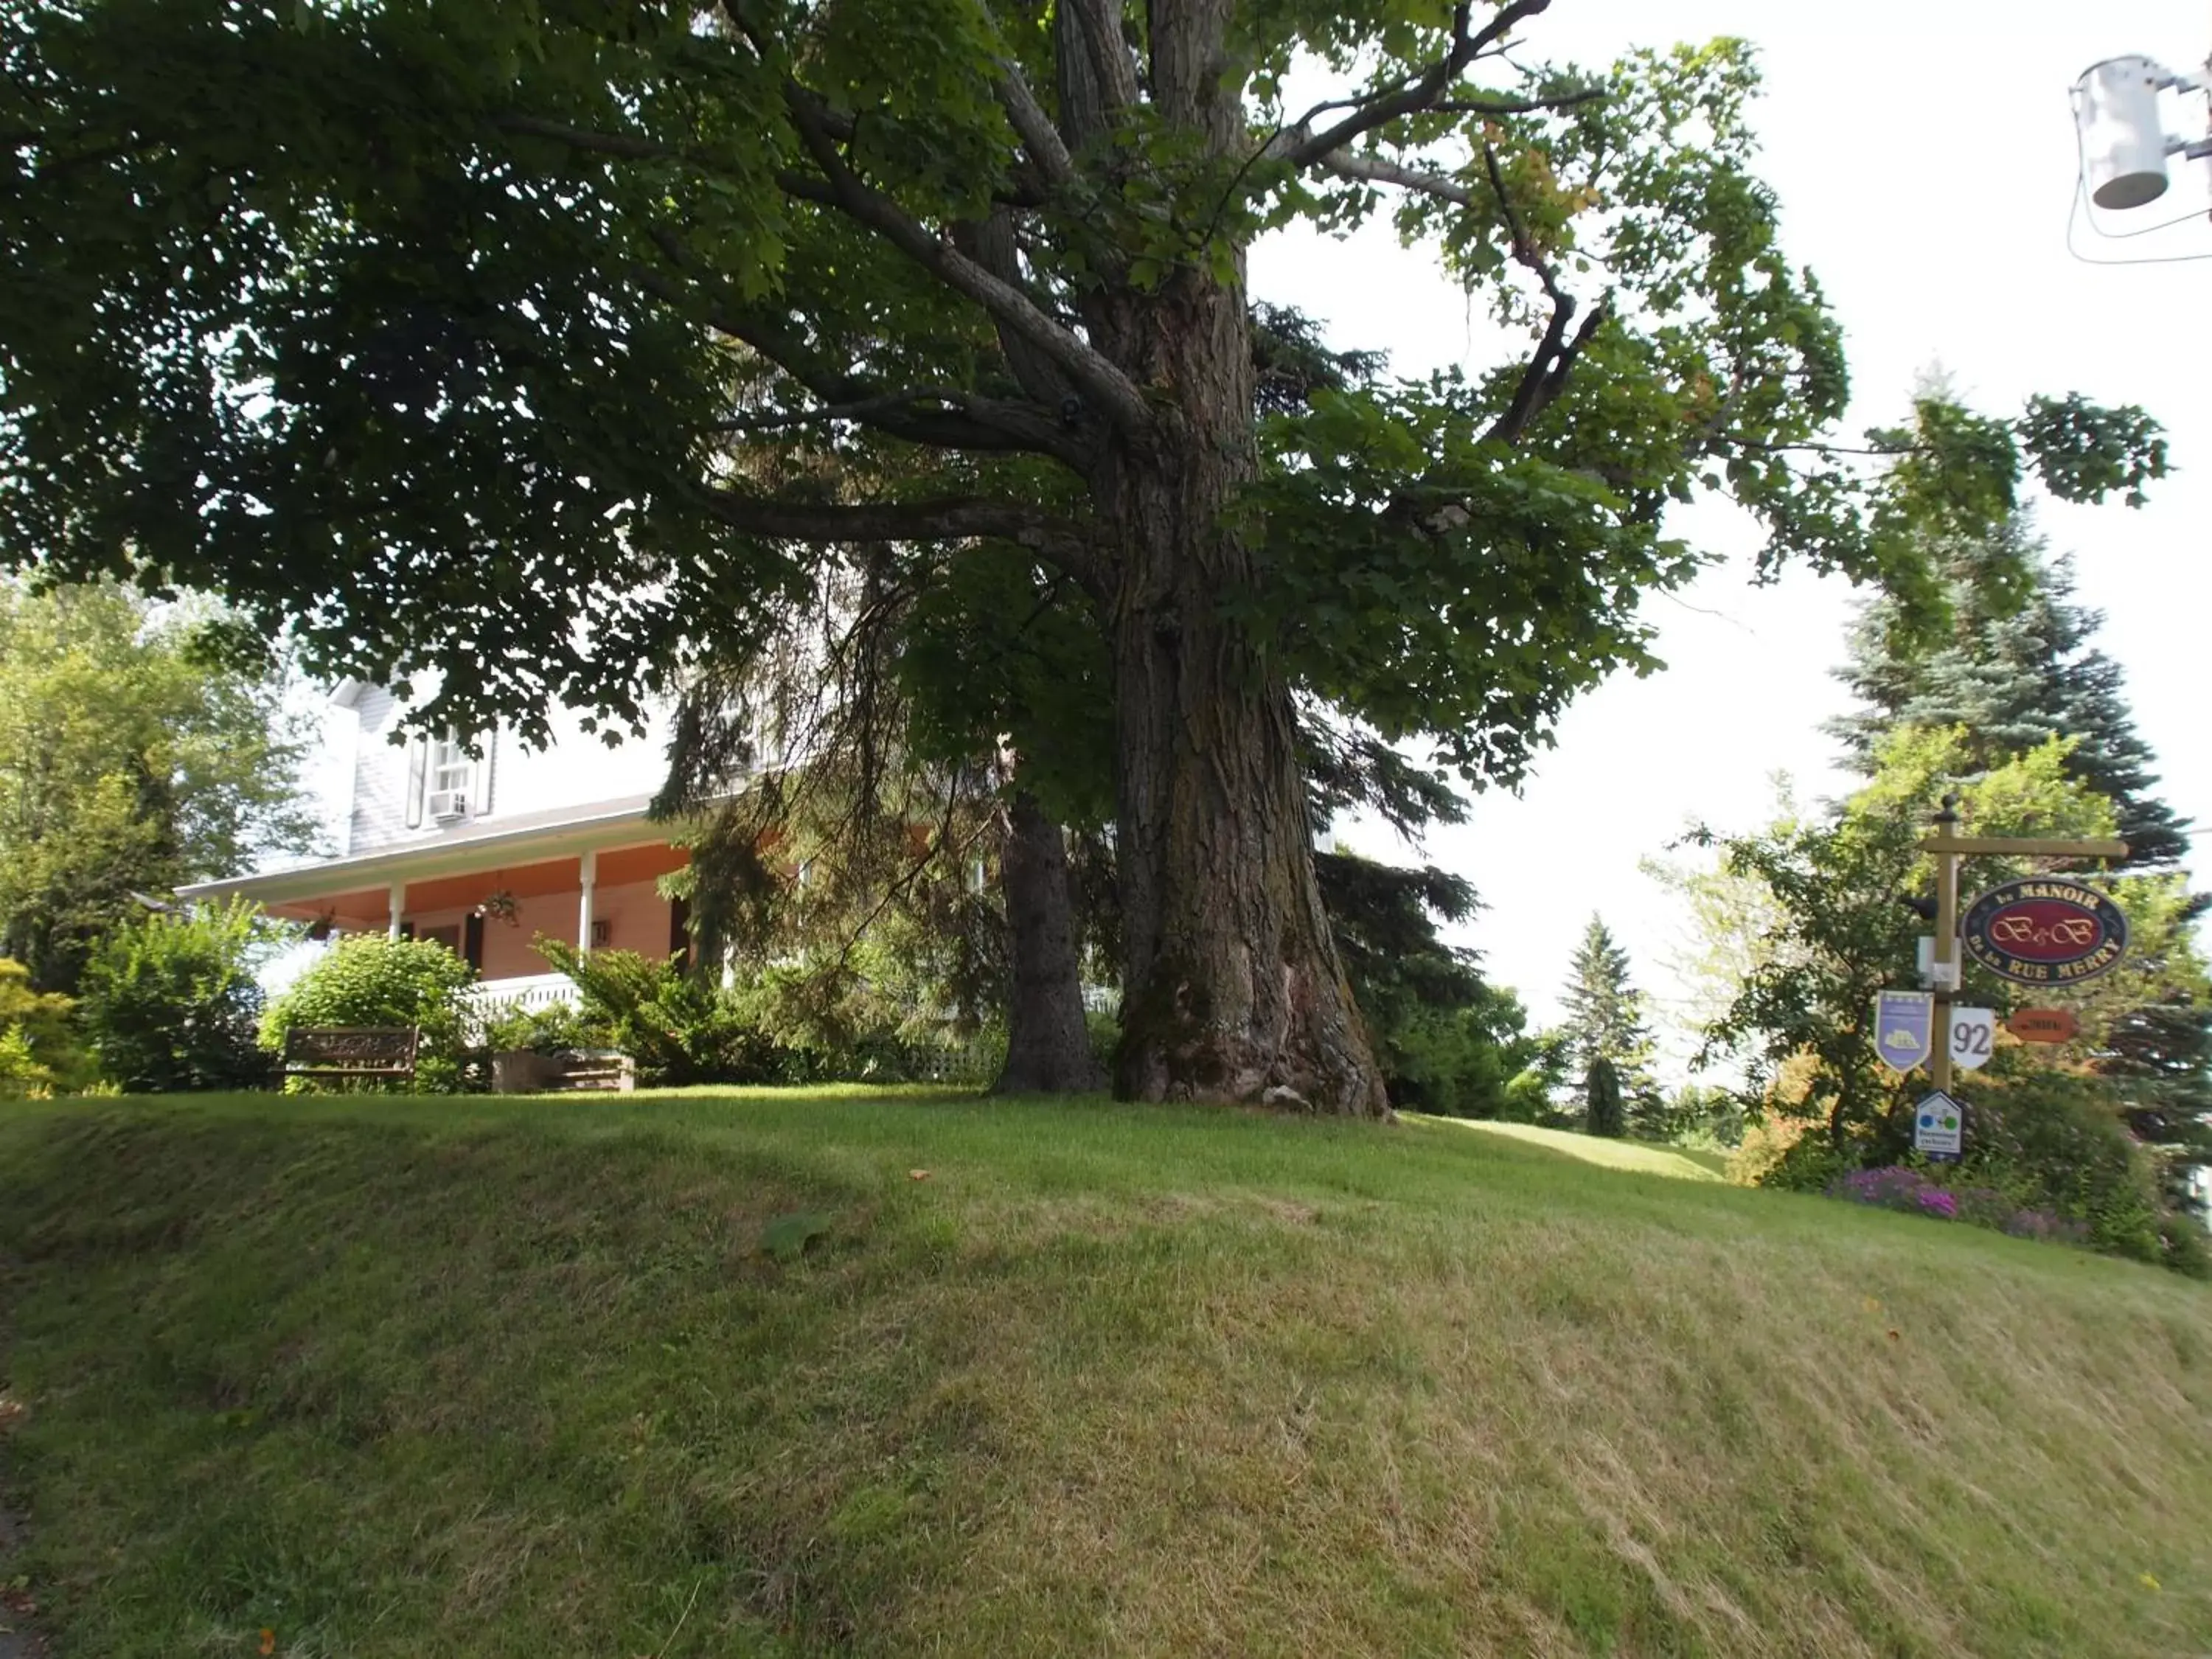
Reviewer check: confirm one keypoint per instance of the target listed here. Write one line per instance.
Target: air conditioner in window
(446, 805)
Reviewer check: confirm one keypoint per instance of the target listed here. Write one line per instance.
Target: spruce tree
(1601, 1098)
(2016, 669)
(2158, 1060)
(1605, 1025)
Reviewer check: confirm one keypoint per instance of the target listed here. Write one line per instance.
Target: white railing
(525, 995)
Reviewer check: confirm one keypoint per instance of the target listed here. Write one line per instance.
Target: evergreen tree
(2017, 669)
(1605, 1023)
(1449, 1041)
(2158, 1060)
(1601, 1098)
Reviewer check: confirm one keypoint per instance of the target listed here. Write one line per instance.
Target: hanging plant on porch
(499, 905)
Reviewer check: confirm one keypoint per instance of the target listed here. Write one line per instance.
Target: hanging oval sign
(2044, 930)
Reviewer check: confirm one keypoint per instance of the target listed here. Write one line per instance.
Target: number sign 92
(1973, 1032)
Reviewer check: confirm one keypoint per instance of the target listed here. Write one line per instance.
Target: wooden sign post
(1948, 848)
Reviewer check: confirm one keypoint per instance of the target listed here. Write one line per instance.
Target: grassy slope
(1680, 1162)
(513, 1378)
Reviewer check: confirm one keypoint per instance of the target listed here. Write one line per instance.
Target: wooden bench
(336, 1052)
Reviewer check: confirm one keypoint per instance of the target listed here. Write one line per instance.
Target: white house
(484, 854)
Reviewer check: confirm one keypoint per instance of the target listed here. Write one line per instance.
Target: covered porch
(487, 897)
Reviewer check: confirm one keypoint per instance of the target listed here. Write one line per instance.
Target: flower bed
(1910, 1191)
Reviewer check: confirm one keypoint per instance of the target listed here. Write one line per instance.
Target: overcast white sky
(1924, 153)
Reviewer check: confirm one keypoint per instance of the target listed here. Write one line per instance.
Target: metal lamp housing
(2124, 145)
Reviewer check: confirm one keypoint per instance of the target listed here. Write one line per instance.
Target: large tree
(138, 750)
(2014, 667)
(514, 339)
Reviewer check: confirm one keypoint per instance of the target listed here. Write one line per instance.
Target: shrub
(1104, 1031)
(370, 979)
(2045, 1157)
(678, 1028)
(553, 1030)
(2053, 1142)
(1700, 1115)
(1798, 1155)
(40, 1051)
(1895, 1187)
(20, 1072)
(170, 1003)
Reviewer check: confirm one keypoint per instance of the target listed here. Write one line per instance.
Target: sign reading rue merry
(2044, 930)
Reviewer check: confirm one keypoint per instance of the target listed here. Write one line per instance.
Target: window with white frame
(445, 780)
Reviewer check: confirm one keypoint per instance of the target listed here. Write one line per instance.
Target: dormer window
(446, 779)
(444, 785)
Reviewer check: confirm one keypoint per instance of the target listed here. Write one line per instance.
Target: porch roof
(564, 834)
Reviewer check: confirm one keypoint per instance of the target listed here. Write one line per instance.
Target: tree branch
(629, 147)
(1524, 250)
(1062, 543)
(1116, 396)
(1410, 98)
(1546, 374)
(909, 415)
(992, 244)
(1376, 169)
(1559, 100)
(967, 421)
(1046, 151)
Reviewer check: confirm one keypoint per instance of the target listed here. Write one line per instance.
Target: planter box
(524, 1072)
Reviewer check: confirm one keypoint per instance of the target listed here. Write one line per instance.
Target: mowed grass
(515, 1379)
(1679, 1162)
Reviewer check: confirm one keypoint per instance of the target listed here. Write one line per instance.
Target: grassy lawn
(1679, 1162)
(517, 1377)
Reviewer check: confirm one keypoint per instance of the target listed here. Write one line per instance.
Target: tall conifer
(1605, 1031)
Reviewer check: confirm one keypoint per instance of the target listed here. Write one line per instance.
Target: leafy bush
(171, 1002)
(39, 1052)
(1698, 1116)
(2053, 1142)
(553, 1030)
(371, 979)
(1105, 1033)
(2046, 1157)
(20, 1072)
(1895, 1187)
(678, 1028)
(1797, 1154)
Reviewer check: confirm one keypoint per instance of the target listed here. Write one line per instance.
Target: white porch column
(590, 868)
(397, 901)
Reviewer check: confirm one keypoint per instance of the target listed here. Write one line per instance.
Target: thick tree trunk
(1233, 990)
(1047, 1042)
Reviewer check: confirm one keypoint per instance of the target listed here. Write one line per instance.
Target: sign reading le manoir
(2044, 930)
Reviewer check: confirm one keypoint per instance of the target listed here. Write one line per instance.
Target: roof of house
(560, 832)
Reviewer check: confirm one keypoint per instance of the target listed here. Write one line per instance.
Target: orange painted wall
(636, 915)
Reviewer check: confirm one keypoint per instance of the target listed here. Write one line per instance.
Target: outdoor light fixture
(2124, 144)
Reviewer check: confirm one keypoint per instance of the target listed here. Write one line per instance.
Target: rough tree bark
(1232, 988)
(1047, 1041)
